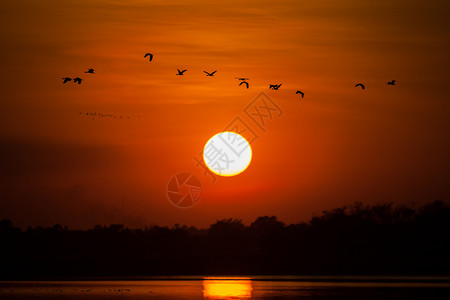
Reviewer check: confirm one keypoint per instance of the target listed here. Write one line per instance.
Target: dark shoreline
(313, 278)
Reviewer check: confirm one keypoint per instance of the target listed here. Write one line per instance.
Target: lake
(254, 287)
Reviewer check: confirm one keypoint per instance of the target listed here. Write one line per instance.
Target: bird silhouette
(392, 82)
(66, 79)
(274, 86)
(242, 78)
(149, 54)
(242, 82)
(361, 85)
(300, 92)
(77, 80)
(210, 74)
(91, 71)
(181, 72)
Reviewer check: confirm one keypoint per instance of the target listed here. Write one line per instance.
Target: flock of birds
(99, 115)
(77, 79)
(242, 80)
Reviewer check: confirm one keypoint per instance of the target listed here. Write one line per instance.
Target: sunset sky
(335, 146)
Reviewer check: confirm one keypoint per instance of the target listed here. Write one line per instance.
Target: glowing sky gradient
(336, 146)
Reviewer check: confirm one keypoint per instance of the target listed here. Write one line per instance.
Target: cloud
(24, 159)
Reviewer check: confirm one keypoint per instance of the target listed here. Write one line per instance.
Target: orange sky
(336, 146)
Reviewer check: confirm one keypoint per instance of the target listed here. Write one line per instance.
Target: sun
(227, 153)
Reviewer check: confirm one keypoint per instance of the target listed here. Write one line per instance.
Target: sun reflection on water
(227, 288)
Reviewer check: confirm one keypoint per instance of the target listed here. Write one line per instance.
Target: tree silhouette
(354, 239)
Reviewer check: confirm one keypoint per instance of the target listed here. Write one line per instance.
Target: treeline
(381, 239)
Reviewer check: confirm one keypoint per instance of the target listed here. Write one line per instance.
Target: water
(259, 287)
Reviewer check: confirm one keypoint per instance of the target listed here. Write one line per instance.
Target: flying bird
(242, 78)
(392, 82)
(66, 79)
(242, 82)
(181, 72)
(149, 54)
(361, 85)
(300, 92)
(91, 71)
(274, 86)
(77, 80)
(210, 74)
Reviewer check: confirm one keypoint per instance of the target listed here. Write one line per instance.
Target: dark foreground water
(282, 287)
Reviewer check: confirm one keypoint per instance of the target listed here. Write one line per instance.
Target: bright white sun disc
(227, 153)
